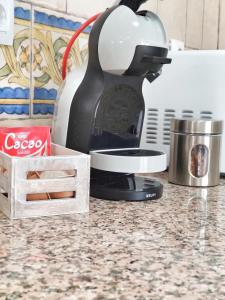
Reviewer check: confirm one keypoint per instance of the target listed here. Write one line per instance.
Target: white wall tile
(211, 24)
(87, 8)
(53, 4)
(195, 10)
(150, 5)
(222, 26)
(173, 14)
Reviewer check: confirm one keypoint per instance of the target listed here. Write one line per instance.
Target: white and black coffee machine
(126, 47)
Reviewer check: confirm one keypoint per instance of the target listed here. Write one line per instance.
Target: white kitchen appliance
(193, 86)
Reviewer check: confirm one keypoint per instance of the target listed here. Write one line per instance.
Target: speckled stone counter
(173, 248)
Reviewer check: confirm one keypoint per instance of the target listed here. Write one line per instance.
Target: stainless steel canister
(195, 152)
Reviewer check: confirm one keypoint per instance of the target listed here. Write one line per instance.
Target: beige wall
(200, 23)
(194, 21)
(222, 25)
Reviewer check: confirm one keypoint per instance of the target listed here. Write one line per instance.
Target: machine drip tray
(129, 187)
(133, 160)
(131, 152)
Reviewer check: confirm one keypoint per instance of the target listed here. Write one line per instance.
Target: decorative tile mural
(15, 68)
(30, 70)
(51, 33)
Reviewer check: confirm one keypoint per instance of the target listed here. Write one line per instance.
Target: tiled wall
(30, 71)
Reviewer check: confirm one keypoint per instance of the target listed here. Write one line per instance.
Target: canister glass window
(199, 161)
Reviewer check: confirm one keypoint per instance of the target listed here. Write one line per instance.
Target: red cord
(71, 42)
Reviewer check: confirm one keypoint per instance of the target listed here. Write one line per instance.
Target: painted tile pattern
(168, 249)
(30, 76)
(51, 34)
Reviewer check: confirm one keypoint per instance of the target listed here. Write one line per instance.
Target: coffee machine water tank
(118, 40)
(63, 103)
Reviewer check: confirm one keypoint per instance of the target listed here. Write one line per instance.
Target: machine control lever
(156, 60)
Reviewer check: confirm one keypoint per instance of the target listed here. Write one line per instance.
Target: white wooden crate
(15, 186)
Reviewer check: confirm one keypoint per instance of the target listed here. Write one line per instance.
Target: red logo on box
(25, 141)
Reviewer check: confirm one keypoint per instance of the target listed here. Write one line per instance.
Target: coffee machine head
(132, 43)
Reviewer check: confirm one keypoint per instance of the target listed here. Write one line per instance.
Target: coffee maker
(107, 112)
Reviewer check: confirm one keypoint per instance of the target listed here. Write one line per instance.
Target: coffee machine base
(120, 186)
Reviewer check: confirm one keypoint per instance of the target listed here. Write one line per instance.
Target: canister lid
(197, 126)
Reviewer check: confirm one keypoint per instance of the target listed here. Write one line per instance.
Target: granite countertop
(173, 248)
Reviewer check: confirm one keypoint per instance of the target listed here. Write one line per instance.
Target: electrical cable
(72, 40)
